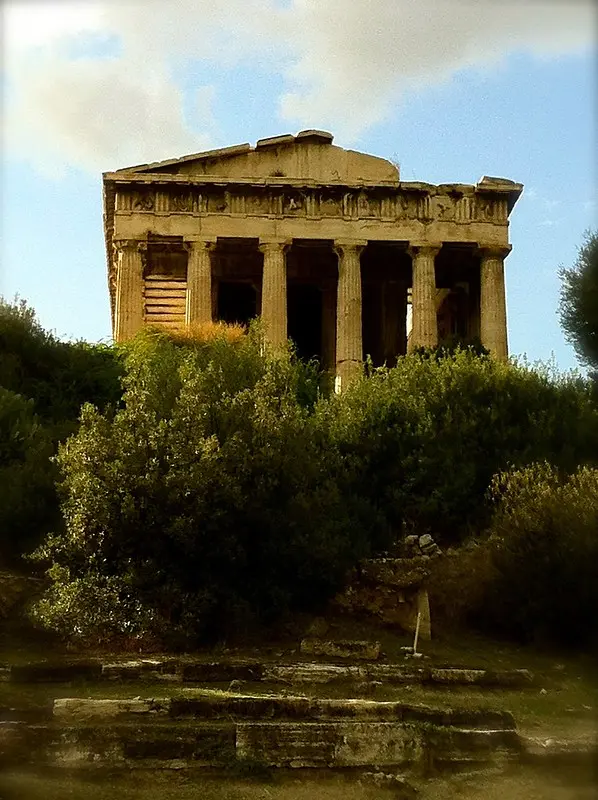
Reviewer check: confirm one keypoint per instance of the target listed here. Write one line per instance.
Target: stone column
(424, 330)
(349, 348)
(493, 307)
(129, 307)
(198, 307)
(274, 291)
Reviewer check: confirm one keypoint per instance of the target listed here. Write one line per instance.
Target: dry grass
(205, 332)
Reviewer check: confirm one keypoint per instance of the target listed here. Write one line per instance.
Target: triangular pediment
(309, 155)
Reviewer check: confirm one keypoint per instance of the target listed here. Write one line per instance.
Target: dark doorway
(237, 302)
(304, 305)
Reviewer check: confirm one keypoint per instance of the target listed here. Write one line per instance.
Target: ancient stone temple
(328, 245)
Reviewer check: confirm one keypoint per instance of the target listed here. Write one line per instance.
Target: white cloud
(345, 64)
(355, 59)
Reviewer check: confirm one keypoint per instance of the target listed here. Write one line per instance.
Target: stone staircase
(236, 713)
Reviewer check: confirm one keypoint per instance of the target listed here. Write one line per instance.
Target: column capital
(199, 244)
(341, 246)
(129, 244)
(274, 245)
(424, 248)
(494, 250)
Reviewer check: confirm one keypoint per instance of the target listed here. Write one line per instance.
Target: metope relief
(330, 204)
(143, 200)
(218, 203)
(293, 204)
(365, 206)
(257, 204)
(181, 201)
(444, 208)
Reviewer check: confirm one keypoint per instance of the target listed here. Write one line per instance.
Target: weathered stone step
(561, 752)
(306, 672)
(208, 704)
(353, 744)
(119, 745)
(336, 744)
(178, 670)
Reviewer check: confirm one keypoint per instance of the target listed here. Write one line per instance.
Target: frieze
(424, 209)
(181, 201)
(444, 208)
(143, 200)
(367, 203)
(217, 203)
(276, 204)
(257, 203)
(330, 204)
(293, 204)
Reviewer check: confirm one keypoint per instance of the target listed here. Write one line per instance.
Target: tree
(579, 302)
(207, 501)
(43, 383)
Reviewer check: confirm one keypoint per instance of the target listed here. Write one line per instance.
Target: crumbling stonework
(394, 589)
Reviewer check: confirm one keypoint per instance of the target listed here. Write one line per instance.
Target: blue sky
(451, 89)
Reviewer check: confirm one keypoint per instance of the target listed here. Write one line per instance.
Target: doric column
(424, 329)
(129, 289)
(493, 307)
(198, 306)
(349, 348)
(274, 291)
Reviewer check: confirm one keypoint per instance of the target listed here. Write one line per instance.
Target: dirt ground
(517, 784)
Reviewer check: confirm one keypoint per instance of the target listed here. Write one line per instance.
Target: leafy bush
(421, 442)
(226, 488)
(27, 476)
(206, 497)
(544, 539)
(459, 583)
(58, 376)
(43, 383)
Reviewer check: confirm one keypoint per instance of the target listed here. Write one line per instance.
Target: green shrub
(28, 503)
(209, 495)
(43, 383)
(459, 583)
(422, 441)
(58, 376)
(544, 537)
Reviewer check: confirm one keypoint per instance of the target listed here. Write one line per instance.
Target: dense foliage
(421, 442)
(579, 302)
(43, 382)
(544, 543)
(209, 498)
(225, 488)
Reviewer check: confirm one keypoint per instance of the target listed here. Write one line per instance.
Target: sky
(450, 89)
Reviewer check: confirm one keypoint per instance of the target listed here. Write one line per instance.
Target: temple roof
(308, 155)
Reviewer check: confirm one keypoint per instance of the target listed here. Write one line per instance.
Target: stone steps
(331, 743)
(207, 728)
(225, 671)
(208, 704)
(211, 728)
(177, 725)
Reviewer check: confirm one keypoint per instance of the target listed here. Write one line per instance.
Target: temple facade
(327, 245)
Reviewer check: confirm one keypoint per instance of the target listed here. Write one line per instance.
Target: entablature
(407, 200)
